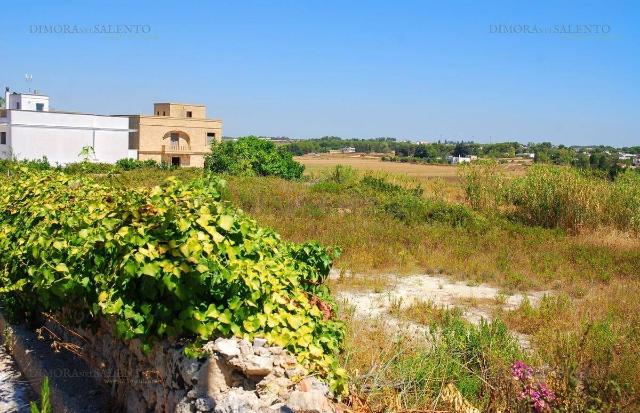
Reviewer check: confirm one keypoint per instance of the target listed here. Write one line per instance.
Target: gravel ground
(403, 291)
(15, 392)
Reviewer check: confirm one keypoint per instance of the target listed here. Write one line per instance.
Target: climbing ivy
(176, 261)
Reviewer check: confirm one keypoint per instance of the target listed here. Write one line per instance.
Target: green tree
(252, 156)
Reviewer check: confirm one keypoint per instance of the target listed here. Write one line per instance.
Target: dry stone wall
(235, 376)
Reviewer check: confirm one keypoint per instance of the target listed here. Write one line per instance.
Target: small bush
(251, 156)
(88, 168)
(128, 164)
(36, 164)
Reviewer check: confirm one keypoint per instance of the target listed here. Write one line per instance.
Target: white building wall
(61, 136)
(5, 150)
(23, 101)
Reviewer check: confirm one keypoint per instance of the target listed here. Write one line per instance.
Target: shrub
(484, 184)
(88, 168)
(624, 201)
(129, 164)
(250, 156)
(176, 261)
(556, 197)
(37, 164)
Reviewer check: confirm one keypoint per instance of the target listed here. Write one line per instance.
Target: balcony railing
(176, 148)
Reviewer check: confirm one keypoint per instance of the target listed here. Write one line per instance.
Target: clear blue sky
(408, 69)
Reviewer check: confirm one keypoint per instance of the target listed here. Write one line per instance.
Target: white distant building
(529, 155)
(28, 130)
(348, 149)
(626, 156)
(454, 160)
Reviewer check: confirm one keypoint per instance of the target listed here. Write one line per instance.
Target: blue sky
(424, 70)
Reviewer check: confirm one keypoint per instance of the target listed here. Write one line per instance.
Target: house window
(3, 138)
(18, 105)
(158, 113)
(175, 139)
(163, 113)
(211, 137)
(39, 107)
(189, 114)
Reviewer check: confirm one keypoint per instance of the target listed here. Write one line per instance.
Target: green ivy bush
(177, 261)
(88, 168)
(129, 164)
(250, 156)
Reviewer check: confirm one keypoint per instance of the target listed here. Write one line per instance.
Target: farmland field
(317, 163)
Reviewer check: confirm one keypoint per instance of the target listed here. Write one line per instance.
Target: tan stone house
(179, 134)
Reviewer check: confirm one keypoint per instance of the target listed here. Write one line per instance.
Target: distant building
(454, 160)
(529, 155)
(348, 149)
(627, 156)
(29, 130)
(178, 134)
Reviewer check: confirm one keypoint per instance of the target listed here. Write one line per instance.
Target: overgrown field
(584, 337)
(549, 229)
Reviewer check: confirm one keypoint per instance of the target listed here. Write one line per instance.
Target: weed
(45, 404)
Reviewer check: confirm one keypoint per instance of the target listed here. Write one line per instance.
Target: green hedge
(176, 262)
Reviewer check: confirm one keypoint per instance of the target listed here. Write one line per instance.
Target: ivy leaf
(62, 267)
(225, 222)
(151, 269)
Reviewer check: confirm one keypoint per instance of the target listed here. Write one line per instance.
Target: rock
(311, 383)
(245, 348)
(262, 351)
(294, 373)
(273, 385)
(184, 407)
(309, 402)
(238, 401)
(204, 404)
(227, 347)
(188, 369)
(192, 394)
(277, 350)
(214, 377)
(257, 365)
(276, 408)
(259, 342)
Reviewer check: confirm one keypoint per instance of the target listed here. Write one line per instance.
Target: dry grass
(590, 339)
(317, 163)
(425, 312)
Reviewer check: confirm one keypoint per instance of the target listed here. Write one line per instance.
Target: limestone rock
(309, 402)
(259, 342)
(204, 404)
(227, 347)
(313, 384)
(257, 365)
(238, 401)
(214, 377)
(184, 407)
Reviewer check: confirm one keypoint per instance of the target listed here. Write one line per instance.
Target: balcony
(176, 148)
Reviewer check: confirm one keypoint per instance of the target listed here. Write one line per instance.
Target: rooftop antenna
(28, 78)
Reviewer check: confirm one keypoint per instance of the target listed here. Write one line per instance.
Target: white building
(28, 130)
(454, 160)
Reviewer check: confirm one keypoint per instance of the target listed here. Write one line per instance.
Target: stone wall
(235, 376)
